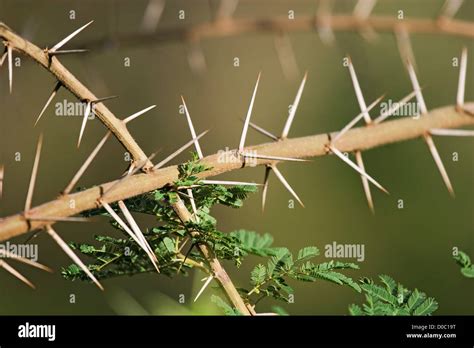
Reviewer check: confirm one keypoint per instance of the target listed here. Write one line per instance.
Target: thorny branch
(362, 138)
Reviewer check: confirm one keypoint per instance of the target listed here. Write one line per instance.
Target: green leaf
(228, 310)
(170, 246)
(427, 307)
(390, 284)
(468, 271)
(355, 310)
(307, 253)
(258, 275)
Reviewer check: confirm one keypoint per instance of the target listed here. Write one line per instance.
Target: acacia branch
(362, 138)
(70, 82)
(218, 272)
(337, 22)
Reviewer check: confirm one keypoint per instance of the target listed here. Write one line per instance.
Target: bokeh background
(413, 245)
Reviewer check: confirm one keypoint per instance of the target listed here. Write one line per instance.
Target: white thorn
(358, 92)
(452, 132)
(84, 121)
(462, 78)
(294, 106)
(356, 167)
(152, 15)
(177, 152)
(34, 172)
(276, 158)
(63, 245)
(4, 55)
(16, 274)
(450, 8)
(137, 114)
(249, 114)
(268, 170)
(356, 119)
(10, 68)
(86, 163)
(363, 8)
(191, 128)
(227, 182)
(263, 131)
(439, 163)
(226, 9)
(394, 108)
(13, 256)
(53, 93)
(144, 243)
(193, 204)
(208, 281)
(365, 182)
(286, 184)
(69, 37)
(286, 56)
(416, 88)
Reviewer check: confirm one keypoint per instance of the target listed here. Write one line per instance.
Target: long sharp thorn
(268, 170)
(4, 55)
(69, 37)
(416, 88)
(122, 224)
(263, 131)
(144, 243)
(63, 245)
(249, 114)
(86, 164)
(227, 182)
(152, 15)
(286, 56)
(365, 182)
(356, 119)
(193, 204)
(177, 152)
(462, 78)
(7, 254)
(34, 173)
(64, 52)
(226, 9)
(356, 167)
(10, 68)
(294, 107)
(450, 8)
(276, 158)
(132, 170)
(191, 128)
(53, 93)
(16, 274)
(358, 92)
(439, 163)
(404, 45)
(137, 114)
(452, 132)
(84, 121)
(100, 100)
(58, 218)
(208, 281)
(286, 184)
(394, 108)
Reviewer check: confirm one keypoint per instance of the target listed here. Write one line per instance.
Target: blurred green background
(413, 245)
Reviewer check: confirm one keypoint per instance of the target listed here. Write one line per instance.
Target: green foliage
(463, 260)
(392, 299)
(228, 310)
(272, 280)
